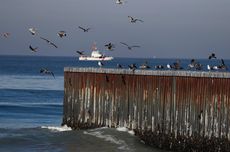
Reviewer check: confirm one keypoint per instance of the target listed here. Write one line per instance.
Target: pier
(169, 109)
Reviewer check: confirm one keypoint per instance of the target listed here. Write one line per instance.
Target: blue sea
(31, 106)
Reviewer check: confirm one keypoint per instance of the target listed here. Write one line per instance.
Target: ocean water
(31, 108)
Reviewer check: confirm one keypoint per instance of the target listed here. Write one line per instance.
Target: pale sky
(171, 28)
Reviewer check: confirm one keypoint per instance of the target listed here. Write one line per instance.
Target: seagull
(213, 55)
(159, 67)
(194, 65)
(120, 2)
(49, 42)
(119, 66)
(33, 49)
(84, 29)
(100, 64)
(134, 20)
(80, 52)
(212, 67)
(33, 30)
(61, 34)
(5, 34)
(110, 46)
(46, 71)
(129, 47)
(176, 65)
(144, 65)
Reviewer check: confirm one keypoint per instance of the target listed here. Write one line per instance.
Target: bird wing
(52, 74)
(82, 28)
(45, 39)
(124, 44)
(130, 17)
(135, 46)
(53, 45)
(222, 61)
(80, 52)
(140, 20)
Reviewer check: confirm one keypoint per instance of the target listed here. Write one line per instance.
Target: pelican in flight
(129, 46)
(49, 42)
(84, 29)
(33, 49)
(46, 71)
(61, 34)
(134, 20)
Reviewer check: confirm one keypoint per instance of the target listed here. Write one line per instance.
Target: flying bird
(110, 46)
(134, 20)
(46, 71)
(80, 52)
(49, 42)
(61, 34)
(213, 55)
(128, 46)
(33, 49)
(84, 29)
(120, 2)
(33, 30)
(5, 34)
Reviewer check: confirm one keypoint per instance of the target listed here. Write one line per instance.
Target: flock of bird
(110, 46)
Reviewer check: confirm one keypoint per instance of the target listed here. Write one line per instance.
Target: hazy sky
(171, 28)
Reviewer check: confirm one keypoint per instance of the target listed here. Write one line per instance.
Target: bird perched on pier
(49, 42)
(61, 34)
(110, 46)
(144, 66)
(84, 29)
(33, 49)
(176, 65)
(100, 64)
(46, 71)
(159, 67)
(132, 66)
(5, 34)
(33, 30)
(212, 56)
(129, 46)
(194, 65)
(209, 67)
(222, 66)
(134, 20)
(80, 52)
(119, 66)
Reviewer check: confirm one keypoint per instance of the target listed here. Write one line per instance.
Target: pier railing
(170, 103)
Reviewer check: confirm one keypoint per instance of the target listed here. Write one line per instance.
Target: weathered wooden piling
(177, 110)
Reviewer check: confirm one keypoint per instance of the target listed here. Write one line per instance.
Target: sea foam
(57, 129)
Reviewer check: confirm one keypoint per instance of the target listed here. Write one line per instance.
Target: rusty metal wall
(179, 105)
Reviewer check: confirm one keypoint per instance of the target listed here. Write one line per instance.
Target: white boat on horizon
(96, 55)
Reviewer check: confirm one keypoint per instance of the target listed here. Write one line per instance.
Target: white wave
(124, 129)
(110, 138)
(31, 82)
(57, 129)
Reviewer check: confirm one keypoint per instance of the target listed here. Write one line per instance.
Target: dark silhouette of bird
(194, 65)
(176, 65)
(222, 66)
(46, 71)
(110, 46)
(84, 29)
(80, 52)
(134, 20)
(130, 47)
(212, 56)
(61, 34)
(33, 49)
(5, 34)
(132, 66)
(119, 66)
(159, 67)
(49, 42)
